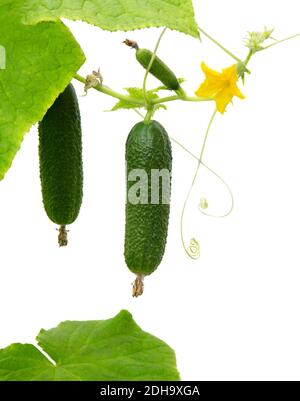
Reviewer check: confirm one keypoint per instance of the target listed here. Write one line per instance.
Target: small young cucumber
(60, 154)
(158, 68)
(149, 165)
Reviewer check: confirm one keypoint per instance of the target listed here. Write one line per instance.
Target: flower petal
(221, 86)
(223, 98)
(208, 89)
(209, 72)
(236, 92)
(230, 73)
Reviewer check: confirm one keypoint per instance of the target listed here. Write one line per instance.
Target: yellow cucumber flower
(220, 86)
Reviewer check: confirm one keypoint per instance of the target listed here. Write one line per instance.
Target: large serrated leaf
(40, 61)
(114, 15)
(113, 349)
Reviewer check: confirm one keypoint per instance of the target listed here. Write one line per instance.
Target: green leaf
(138, 93)
(114, 15)
(123, 104)
(40, 61)
(134, 93)
(113, 349)
(161, 106)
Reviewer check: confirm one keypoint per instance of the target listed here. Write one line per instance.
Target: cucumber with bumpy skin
(60, 154)
(158, 68)
(148, 151)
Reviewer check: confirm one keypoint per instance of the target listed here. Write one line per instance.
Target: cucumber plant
(39, 57)
(32, 73)
(60, 154)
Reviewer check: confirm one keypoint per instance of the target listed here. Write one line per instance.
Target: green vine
(255, 42)
(130, 99)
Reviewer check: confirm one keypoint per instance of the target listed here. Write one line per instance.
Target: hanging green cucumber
(149, 165)
(60, 153)
(158, 68)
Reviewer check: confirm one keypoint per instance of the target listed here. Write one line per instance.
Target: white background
(234, 313)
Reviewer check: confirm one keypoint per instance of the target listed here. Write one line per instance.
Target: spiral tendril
(187, 250)
(193, 249)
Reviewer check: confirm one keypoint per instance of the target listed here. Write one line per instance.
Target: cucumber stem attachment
(62, 236)
(149, 115)
(138, 286)
(181, 93)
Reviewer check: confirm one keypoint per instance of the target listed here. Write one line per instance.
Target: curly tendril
(229, 211)
(187, 249)
(203, 203)
(193, 249)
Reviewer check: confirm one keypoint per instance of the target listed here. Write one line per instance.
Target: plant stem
(149, 115)
(280, 41)
(120, 96)
(249, 55)
(139, 113)
(175, 97)
(110, 92)
(219, 44)
(206, 136)
(150, 64)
